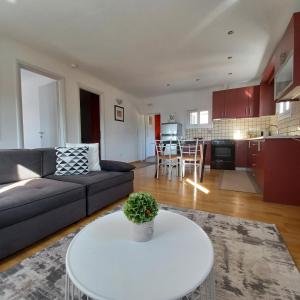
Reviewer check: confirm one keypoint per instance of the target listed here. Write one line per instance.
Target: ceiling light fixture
(12, 1)
(230, 32)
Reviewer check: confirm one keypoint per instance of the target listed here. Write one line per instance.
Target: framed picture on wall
(119, 113)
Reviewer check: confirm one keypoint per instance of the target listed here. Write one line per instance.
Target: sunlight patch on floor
(198, 186)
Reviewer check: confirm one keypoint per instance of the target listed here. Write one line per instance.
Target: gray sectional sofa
(35, 203)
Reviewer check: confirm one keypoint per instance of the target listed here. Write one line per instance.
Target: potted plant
(141, 208)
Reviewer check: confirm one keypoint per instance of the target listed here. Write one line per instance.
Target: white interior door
(48, 103)
(40, 110)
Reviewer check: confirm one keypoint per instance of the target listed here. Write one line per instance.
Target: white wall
(178, 103)
(121, 139)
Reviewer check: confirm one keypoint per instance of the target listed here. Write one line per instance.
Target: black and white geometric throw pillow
(72, 161)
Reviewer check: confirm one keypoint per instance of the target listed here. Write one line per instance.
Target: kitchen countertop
(274, 137)
(280, 136)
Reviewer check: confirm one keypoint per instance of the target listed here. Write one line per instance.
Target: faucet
(277, 129)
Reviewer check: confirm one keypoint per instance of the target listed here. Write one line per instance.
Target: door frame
(82, 86)
(145, 128)
(60, 96)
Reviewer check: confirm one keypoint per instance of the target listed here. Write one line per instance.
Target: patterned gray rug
(251, 262)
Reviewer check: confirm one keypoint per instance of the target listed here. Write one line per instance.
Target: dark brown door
(90, 117)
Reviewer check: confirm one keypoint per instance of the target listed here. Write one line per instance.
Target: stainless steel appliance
(223, 154)
(170, 131)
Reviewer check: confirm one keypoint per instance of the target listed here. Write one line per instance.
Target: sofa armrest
(116, 166)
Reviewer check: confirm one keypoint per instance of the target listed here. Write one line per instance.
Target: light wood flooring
(183, 194)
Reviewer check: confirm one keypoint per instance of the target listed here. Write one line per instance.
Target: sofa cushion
(116, 166)
(27, 198)
(19, 164)
(97, 181)
(48, 161)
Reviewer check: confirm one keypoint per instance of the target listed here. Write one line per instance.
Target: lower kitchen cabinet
(241, 154)
(281, 170)
(259, 167)
(252, 153)
(208, 153)
(275, 165)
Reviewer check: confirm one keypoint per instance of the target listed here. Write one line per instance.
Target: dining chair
(191, 153)
(166, 157)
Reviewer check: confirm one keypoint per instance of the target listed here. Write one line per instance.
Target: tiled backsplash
(231, 128)
(243, 128)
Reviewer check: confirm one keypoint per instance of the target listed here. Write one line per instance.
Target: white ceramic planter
(142, 232)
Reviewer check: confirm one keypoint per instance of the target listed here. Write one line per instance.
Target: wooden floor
(183, 194)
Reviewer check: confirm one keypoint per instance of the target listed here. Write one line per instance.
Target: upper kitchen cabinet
(284, 65)
(218, 108)
(267, 105)
(236, 103)
(253, 96)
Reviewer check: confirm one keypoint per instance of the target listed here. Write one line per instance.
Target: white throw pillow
(93, 155)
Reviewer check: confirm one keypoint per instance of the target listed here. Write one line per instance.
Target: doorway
(40, 110)
(152, 130)
(90, 117)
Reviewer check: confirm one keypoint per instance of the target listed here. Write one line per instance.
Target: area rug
(240, 181)
(251, 262)
(142, 164)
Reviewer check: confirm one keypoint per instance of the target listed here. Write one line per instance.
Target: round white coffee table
(102, 262)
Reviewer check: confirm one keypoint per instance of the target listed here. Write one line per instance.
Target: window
(198, 117)
(204, 117)
(287, 105)
(284, 109)
(193, 117)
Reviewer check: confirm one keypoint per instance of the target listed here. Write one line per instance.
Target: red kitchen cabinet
(281, 167)
(241, 154)
(236, 103)
(218, 108)
(267, 105)
(252, 153)
(286, 45)
(275, 166)
(208, 153)
(259, 168)
(253, 94)
(286, 77)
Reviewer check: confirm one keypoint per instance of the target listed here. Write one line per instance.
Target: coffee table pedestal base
(206, 291)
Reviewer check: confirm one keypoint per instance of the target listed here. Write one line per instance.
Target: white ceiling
(141, 45)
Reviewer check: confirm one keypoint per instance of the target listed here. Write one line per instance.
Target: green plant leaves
(140, 207)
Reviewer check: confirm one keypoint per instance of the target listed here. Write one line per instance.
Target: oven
(223, 154)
